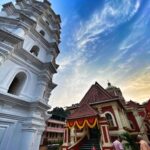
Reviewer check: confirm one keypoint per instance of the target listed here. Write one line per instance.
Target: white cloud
(74, 84)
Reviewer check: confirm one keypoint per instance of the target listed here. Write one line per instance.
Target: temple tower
(29, 38)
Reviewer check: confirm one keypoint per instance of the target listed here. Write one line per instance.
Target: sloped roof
(83, 111)
(96, 93)
(132, 104)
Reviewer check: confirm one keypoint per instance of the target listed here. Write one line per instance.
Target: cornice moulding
(22, 102)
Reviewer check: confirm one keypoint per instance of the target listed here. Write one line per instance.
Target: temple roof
(95, 94)
(85, 110)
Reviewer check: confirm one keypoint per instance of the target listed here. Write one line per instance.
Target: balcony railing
(56, 130)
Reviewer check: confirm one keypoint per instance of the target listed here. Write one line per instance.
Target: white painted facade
(27, 66)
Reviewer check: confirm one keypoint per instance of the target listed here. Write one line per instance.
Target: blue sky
(102, 40)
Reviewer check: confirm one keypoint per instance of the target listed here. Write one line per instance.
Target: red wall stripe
(105, 134)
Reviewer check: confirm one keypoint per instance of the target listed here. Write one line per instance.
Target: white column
(37, 140)
(72, 136)
(27, 141)
(125, 119)
(75, 133)
(119, 121)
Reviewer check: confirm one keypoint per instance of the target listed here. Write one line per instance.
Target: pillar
(141, 125)
(126, 119)
(118, 118)
(27, 141)
(106, 143)
(75, 134)
(37, 139)
(66, 139)
(72, 136)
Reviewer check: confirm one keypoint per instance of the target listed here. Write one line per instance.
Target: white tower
(29, 38)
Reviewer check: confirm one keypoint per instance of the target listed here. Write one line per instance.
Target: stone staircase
(89, 144)
(93, 141)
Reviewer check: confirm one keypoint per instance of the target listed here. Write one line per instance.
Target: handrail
(69, 148)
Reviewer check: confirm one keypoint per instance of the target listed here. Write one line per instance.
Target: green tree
(59, 113)
(130, 141)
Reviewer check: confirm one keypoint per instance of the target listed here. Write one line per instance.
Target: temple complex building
(54, 132)
(101, 116)
(29, 38)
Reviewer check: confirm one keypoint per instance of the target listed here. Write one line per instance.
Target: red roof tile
(95, 94)
(132, 104)
(83, 111)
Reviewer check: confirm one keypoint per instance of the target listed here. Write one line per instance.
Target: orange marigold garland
(81, 123)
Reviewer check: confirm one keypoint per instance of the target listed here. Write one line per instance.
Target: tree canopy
(59, 113)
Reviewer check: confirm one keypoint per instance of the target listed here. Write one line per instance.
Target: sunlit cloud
(121, 67)
(138, 87)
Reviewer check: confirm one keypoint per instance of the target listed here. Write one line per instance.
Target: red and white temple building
(101, 116)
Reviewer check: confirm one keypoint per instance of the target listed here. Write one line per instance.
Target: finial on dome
(109, 84)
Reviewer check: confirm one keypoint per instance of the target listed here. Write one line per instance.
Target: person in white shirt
(117, 144)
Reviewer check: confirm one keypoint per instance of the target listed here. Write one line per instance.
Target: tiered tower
(29, 38)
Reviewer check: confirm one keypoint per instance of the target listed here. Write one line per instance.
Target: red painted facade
(142, 113)
(131, 117)
(105, 133)
(98, 102)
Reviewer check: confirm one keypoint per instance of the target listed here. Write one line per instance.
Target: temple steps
(89, 144)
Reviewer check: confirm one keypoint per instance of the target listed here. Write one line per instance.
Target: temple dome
(114, 91)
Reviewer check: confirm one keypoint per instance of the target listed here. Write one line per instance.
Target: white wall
(44, 56)
(31, 89)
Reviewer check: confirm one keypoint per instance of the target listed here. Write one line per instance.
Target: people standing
(143, 144)
(117, 144)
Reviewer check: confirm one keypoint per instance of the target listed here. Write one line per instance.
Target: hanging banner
(82, 122)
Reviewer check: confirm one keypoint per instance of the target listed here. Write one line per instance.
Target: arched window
(109, 119)
(17, 83)
(42, 32)
(35, 50)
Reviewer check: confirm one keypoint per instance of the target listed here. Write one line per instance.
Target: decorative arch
(35, 50)
(42, 32)
(110, 118)
(17, 83)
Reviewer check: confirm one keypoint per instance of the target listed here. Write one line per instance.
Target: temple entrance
(94, 133)
(93, 139)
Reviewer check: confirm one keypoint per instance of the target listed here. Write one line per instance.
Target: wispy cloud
(76, 77)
